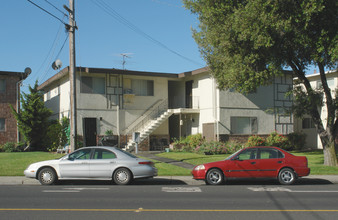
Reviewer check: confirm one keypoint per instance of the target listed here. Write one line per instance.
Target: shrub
(297, 140)
(255, 140)
(188, 144)
(278, 140)
(11, 147)
(233, 146)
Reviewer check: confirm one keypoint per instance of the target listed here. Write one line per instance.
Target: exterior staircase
(150, 122)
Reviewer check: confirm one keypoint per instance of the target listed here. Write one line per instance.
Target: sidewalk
(177, 180)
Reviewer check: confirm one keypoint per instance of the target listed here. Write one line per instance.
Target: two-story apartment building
(163, 106)
(9, 94)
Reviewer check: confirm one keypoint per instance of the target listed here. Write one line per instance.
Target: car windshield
(232, 155)
(127, 153)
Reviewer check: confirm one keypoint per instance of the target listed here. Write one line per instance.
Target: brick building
(9, 94)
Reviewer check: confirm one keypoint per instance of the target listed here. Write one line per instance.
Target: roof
(91, 70)
(22, 75)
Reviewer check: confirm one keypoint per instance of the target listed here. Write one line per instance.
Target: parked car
(93, 163)
(254, 162)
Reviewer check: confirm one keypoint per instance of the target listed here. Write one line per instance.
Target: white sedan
(93, 163)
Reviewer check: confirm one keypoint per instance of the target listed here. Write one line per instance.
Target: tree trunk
(330, 158)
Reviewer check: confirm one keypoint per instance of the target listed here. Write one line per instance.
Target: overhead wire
(47, 12)
(110, 11)
(64, 14)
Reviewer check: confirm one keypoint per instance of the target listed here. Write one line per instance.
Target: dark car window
(270, 153)
(103, 154)
(83, 154)
(248, 154)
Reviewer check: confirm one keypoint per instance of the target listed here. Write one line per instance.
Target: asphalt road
(105, 201)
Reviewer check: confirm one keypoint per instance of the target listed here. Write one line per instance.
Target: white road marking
(60, 191)
(72, 190)
(181, 189)
(86, 188)
(282, 189)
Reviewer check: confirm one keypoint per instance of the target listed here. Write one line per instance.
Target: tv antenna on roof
(124, 56)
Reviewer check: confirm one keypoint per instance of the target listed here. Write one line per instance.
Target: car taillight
(146, 163)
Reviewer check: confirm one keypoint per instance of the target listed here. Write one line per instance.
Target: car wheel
(47, 176)
(122, 176)
(214, 177)
(286, 176)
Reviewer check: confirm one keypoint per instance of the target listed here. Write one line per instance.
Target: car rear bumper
(303, 171)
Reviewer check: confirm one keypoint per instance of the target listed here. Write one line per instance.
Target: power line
(110, 11)
(56, 8)
(47, 12)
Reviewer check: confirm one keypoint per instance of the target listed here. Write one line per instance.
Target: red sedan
(254, 162)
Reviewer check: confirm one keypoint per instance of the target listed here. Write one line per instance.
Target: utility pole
(72, 75)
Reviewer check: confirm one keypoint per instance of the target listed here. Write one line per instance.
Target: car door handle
(112, 162)
(84, 162)
(280, 162)
(253, 162)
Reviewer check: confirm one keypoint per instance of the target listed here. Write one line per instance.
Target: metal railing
(154, 113)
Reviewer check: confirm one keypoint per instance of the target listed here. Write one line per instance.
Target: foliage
(108, 133)
(255, 140)
(247, 43)
(65, 134)
(33, 118)
(297, 140)
(53, 136)
(195, 143)
(278, 140)
(11, 147)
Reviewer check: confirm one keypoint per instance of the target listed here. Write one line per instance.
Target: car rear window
(127, 153)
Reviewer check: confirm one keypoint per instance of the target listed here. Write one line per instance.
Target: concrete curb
(173, 180)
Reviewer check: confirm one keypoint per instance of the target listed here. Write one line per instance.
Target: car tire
(287, 176)
(47, 176)
(214, 177)
(122, 176)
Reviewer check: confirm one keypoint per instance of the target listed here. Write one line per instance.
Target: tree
(246, 43)
(33, 118)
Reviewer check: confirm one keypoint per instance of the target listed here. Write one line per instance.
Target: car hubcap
(122, 176)
(287, 176)
(46, 177)
(214, 177)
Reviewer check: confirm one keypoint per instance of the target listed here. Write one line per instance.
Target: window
(103, 154)
(94, 85)
(270, 154)
(307, 123)
(80, 155)
(2, 85)
(2, 124)
(244, 125)
(249, 154)
(139, 87)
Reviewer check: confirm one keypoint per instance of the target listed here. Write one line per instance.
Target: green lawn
(13, 164)
(315, 160)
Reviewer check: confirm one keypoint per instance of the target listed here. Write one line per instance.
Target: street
(237, 200)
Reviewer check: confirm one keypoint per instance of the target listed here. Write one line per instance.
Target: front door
(89, 131)
(76, 165)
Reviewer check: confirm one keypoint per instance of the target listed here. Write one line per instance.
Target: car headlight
(200, 167)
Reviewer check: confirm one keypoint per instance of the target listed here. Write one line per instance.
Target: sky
(155, 35)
